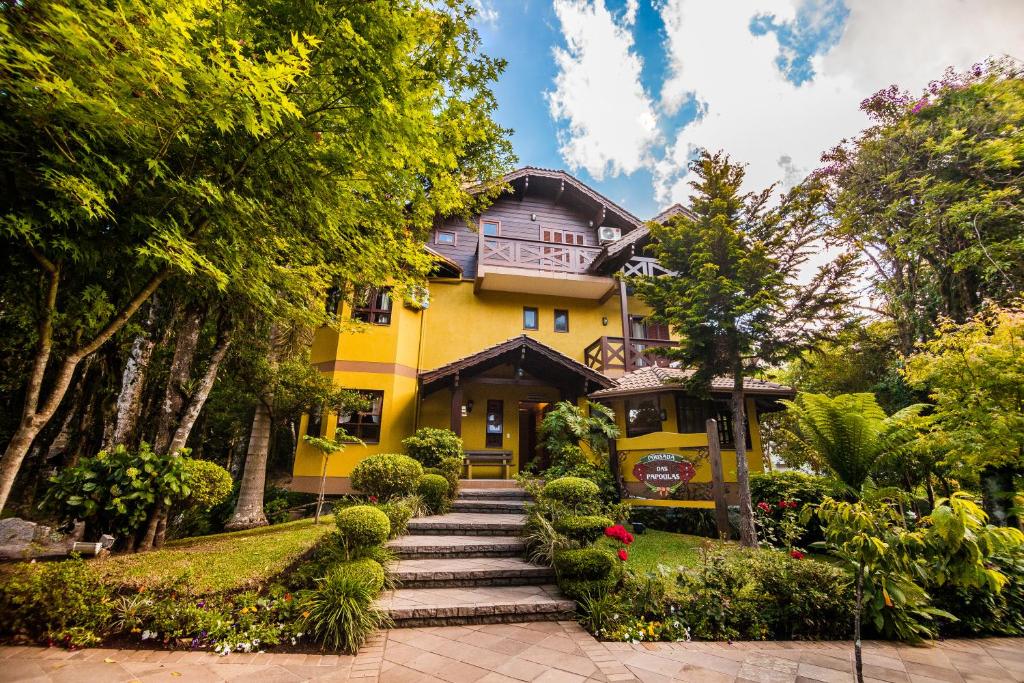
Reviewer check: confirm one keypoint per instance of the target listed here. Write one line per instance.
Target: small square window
(364, 424)
(373, 305)
(529, 318)
(561, 320)
(445, 237)
(490, 228)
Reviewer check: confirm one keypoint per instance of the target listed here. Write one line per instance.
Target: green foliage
(850, 434)
(114, 490)
(429, 446)
(585, 572)
(386, 475)
(60, 602)
(399, 511)
(584, 529)
(543, 541)
(600, 475)
(341, 612)
(362, 526)
(931, 192)
(796, 487)
(894, 567)
(973, 374)
(573, 492)
(566, 426)
(693, 521)
(433, 488)
(209, 484)
(451, 469)
(980, 611)
(364, 569)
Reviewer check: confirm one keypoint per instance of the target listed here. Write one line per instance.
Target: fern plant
(567, 426)
(850, 434)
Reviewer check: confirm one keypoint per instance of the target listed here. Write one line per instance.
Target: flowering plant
(619, 533)
(778, 524)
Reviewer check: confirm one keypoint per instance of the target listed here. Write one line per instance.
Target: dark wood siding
(514, 216)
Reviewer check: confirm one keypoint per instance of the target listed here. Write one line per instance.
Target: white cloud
(486, 13)
(780, 129)
(612, 122)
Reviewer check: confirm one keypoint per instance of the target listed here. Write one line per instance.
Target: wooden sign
(664, 473)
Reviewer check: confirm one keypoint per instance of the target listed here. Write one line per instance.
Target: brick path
(540, 652)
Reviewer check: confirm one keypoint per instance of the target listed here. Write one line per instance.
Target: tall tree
(932, 195)
(735, 298)
(263, 149)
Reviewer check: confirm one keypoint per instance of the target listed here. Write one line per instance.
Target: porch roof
(534, 357)
(652, 379)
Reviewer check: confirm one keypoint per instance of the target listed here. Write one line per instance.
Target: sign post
(717, 480)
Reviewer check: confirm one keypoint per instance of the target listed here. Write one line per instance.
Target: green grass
(662, 547)
(218, 563)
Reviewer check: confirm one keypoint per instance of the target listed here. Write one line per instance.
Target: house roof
(614, 253)
(442, 263)
(544, 360)
(646, 380)
(574, 183)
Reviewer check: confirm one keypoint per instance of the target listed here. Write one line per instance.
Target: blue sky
(620, 92)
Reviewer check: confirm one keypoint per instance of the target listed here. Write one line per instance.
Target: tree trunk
(249, 508)
(859, 597)
(133, 380)
(748, 534)
(198, 398)
(35, 416)
(179, 375)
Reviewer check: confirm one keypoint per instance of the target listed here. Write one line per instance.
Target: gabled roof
(616, 252)
(551, 364)
(647, 380)
(575, 184)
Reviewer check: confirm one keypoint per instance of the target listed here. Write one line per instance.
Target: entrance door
(530, 415)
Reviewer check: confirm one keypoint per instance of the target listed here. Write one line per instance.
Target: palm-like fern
(850, 433)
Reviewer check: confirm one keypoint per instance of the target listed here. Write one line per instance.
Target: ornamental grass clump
(340, 612)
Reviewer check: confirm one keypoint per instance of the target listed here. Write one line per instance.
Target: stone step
(455, 546)
(476, 571)
(514, 493)
(466, 484)
(468, 524)
(487, 505)
(411, 607)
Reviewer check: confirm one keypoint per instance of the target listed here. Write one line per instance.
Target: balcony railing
(643, 265)
(609, 353)
(536, 255)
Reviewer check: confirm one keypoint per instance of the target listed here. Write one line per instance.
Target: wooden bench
(500, 458)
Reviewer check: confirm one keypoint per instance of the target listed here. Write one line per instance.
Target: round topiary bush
(386, 475)
(571, 491)
(209, 484)
(586, 571)
(434, 490)
(362, 526)
(430, 445)
(364, 569)
(583, 529)
(399, 512)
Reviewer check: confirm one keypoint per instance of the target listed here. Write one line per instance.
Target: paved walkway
(540, 652)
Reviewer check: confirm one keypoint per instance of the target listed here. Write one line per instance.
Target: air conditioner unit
(606, 234)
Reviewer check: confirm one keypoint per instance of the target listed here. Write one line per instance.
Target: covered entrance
(495, 399)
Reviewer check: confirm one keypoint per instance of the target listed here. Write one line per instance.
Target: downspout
(419, 364)
(627, 343)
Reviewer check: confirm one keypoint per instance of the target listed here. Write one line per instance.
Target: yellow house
(523, 311)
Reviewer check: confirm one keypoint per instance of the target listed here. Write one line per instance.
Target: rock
(16, 531)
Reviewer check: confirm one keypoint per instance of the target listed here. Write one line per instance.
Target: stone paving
(469, 523)
(468, 571)
(423, 606)
(541, 652)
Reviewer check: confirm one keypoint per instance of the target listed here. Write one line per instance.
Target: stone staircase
(468, 567)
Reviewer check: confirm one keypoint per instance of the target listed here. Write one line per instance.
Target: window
(445, 237)
(364, 424)
(529, 318)
(643, 416)
(314, 427)
(333, 300)
(694, 412)
(556, 236)
(373, 305)
(561, 320)
(495, 423)
(490, 228)
(642, 328)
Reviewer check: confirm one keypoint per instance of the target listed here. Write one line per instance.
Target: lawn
(218, 563)
(652, 548)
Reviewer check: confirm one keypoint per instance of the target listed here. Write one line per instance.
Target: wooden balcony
(607, 354)
(536, 255)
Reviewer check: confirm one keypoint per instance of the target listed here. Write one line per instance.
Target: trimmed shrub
(434, 490)
(364, 569)
(399, 512)
(208, 483)
(386, 475)
(584, 563)
(362, 526)
(804, 489)
(340, 612)
(572, 492)
(583, 529)
(451, 469)
(584, 589)
(429, 446)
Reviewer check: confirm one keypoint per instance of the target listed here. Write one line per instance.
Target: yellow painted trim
(367, 366)
(661, 440)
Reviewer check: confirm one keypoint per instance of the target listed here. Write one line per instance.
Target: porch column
(456, 408)
(627, 343)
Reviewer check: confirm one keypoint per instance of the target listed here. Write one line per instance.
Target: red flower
(618, 532)
(764, 507)
(783, 505)
(623, 555)
(373, 499)
(796, 554)
(628, 539)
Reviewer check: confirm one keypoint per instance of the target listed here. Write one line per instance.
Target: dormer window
(445, 237)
